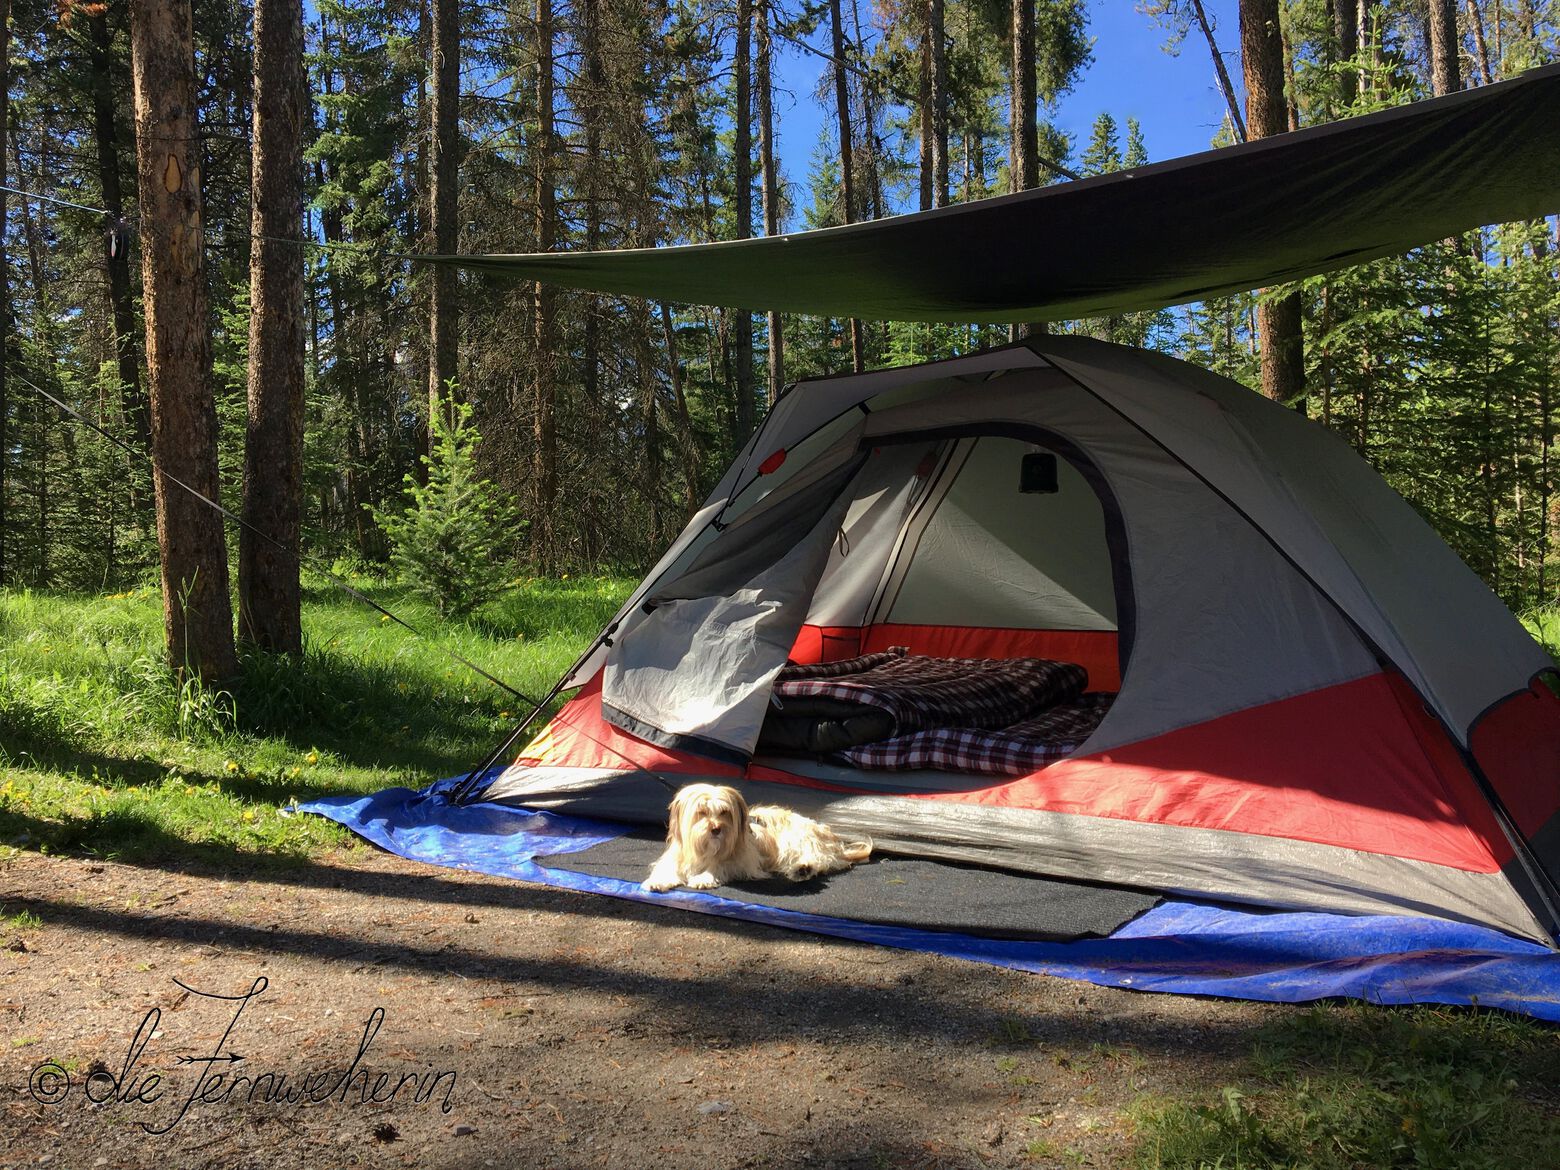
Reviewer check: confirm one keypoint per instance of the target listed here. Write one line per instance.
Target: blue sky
(1174, 98)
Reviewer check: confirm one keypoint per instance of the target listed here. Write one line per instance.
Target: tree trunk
(858, 352)
(1291, 103)
(5, 269)
(1262, 61)
(591, 105)
(443, 187)
(936, 34)
(770, 182)
(742, 321)
(1024, 165)
(1481, 48)
(197, 612)
(1445, 67)
(1267, 113)
(121, 306)
(875, 206)
(1223, 74)
(924, 109)
(544, 468)
(1346, 32)
(1024, 130)
(43, 318)
(268, 588)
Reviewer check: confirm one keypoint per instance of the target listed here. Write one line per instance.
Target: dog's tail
(858, 850)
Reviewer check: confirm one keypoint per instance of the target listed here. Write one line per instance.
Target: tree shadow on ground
(392, 734)
(113, 769)
(723, 1004)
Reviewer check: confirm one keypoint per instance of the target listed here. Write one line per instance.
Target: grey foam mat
(903, 891)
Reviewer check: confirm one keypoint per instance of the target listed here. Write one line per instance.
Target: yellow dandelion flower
(231, 765)
(249, 816)
(312, 758)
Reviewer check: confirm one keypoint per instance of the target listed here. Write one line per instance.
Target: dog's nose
(716, 828)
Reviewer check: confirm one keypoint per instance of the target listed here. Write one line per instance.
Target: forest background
(616, 124)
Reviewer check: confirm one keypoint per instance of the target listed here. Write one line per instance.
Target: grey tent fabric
(1264, 212)
(1301, 658)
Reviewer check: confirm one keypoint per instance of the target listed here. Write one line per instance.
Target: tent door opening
(970, 565)
(989, 543)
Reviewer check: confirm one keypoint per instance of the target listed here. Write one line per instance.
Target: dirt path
(525, 1026)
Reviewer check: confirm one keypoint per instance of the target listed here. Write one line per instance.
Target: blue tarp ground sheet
(1183, 947)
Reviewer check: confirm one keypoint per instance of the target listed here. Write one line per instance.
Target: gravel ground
(394, 1014)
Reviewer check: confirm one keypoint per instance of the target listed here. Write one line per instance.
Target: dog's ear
(674, 818)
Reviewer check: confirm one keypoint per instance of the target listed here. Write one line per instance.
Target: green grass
(1339, 1087)
(1544, 624)
(104, 753)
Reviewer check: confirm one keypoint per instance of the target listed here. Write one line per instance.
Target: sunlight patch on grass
(106, 752)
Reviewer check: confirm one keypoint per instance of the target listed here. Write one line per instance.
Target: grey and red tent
(1316, 705)
(1312, 703)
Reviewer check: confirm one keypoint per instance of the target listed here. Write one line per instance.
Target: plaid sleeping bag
(1016, 750)
(925, 693)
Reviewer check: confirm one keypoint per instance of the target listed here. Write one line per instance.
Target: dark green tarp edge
(1223, 221)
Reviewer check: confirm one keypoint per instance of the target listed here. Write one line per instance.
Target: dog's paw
(657, 885)
(703, 881)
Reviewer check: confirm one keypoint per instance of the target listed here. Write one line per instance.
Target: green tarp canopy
(1223, 221)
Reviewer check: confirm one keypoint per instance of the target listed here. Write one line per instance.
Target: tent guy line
(126, 220)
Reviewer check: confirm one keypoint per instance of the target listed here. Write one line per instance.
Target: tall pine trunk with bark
(197, 612)
(1267, 113)
(769, 181)
(269, 615)
(105, 132)
(1024, 156)
(742, 320)
(858, 354)
(443, 179)
(5, 270)
(937, 97)
(544, 458)
(1445, 68)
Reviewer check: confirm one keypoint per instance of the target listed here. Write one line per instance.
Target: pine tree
(1104, 153)
(446, 541)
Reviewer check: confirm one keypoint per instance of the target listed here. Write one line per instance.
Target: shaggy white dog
(712, 837)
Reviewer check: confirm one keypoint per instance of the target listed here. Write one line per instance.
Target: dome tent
(1318, 706)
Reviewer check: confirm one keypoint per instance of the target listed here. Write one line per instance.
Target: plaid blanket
(924, 693)
(796, 672)
(1016, 750)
